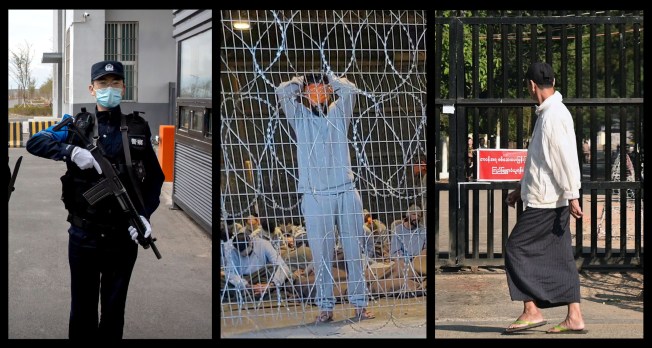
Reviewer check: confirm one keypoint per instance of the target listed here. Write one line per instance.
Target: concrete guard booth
(193, 184)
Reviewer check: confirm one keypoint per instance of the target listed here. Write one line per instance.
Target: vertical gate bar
(454, 146)
(476, 201)
(519, 81)
(461, 115)
(637, 139)
(564, 59)
(438, 156)
(475, 42)
(593, 125)
(491, 124)
(465, 192)
(504, 61)
(490, 228)
(579, 226)
(504, 123)
(606, 222)
(437, 83)
(520, 68)
(549, 42)
(432, 69)
(533, 43)
(607, 153)
(579, 110)
(623, 142)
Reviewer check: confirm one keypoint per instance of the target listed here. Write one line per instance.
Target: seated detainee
(254, 265)
(253, 227)
(383, 279)
(376, 237)
(304, 278)
(257, 228)
(408, 245)
(296, 254)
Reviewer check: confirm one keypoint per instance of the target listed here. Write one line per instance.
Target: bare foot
(526, 319)
(568, 324)
(324, 317)
(363, 314)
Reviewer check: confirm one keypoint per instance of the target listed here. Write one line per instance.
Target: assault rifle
(13, 177)
(110, 184)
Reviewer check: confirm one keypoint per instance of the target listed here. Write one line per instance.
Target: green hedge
(31, 110)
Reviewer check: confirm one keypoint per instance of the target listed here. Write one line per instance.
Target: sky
(35, 27)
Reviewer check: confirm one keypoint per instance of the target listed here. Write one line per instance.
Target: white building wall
(156, 67)
(156, 51)
(87, 47)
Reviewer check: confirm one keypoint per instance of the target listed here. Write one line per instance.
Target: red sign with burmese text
(501, 164)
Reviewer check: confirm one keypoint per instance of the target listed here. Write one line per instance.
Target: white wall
(87, 47)
(156, 51)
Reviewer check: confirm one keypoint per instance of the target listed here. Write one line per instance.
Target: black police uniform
(101, 252)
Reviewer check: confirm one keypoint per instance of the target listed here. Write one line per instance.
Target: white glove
(134, 233)
(84, 160)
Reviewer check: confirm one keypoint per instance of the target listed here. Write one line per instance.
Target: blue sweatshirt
(406, 242)
(322, 144)
(263, 254)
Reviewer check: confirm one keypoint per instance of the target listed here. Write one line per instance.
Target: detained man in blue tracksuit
(326, 181)
(101, 248)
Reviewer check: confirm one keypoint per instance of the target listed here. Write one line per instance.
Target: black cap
(315, 77)
(107, 67)
(541, 73)
(241, 241)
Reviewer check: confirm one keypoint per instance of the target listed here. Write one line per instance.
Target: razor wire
(381, 52)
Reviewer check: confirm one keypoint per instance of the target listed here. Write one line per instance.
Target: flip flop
(526, 325)
(566, 330)
(324, 317)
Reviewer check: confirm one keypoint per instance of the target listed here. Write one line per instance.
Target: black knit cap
(541, 73)
(315, 77)
(241, 241)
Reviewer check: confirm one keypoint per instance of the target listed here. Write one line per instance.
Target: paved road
(168, 298)
(479, 306)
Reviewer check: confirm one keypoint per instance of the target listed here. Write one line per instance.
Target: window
(193, 118)
(196, 74)
(209, 123)
(121, 44)
(66, 88)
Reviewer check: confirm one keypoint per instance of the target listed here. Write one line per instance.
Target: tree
(21, 70)
(31, 88)
(617, 41)
(45, 90)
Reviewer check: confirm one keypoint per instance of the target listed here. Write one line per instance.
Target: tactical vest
(76, 181)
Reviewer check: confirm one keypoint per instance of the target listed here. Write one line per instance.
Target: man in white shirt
(539, 259)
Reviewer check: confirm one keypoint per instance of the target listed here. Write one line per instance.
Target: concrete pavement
(477, 305)
(168, 298)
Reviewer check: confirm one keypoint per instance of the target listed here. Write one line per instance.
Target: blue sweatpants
(322, 212)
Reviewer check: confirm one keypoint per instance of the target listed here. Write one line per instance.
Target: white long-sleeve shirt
(552, 170)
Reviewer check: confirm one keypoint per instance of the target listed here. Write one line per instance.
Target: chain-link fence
(322, 165)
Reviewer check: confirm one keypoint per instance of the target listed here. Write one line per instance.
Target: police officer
(102, 246)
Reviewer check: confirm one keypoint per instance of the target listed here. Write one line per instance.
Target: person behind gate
(330, 197)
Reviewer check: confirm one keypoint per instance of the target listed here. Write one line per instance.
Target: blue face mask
(109, 97)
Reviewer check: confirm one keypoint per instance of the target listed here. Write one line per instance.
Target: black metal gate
(481, 59)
